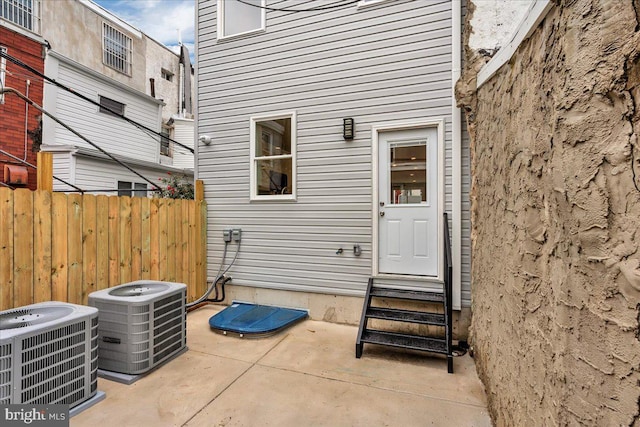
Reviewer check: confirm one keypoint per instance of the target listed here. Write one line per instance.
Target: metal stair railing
(448, 294)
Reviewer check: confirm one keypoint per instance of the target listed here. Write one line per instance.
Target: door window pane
(408, 173)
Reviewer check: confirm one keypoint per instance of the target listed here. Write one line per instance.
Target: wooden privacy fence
(62, 247)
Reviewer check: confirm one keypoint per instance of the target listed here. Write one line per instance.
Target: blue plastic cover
(246, 318)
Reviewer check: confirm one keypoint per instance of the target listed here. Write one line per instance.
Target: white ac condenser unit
(48, 354)
(142, 324)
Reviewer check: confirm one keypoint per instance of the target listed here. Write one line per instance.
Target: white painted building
(320, 213)
(116, 65)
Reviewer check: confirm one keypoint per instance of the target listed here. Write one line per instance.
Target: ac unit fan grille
(5, 373)
(37, 365)
(54, 365)
(169, 326)
(67, 394)
(52, 347)
(52, 335)
(167, 304)
(139, 309)
(54, 371)
(164, 333)
(94, 354)
(166, 352)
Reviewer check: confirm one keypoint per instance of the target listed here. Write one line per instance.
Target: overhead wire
(6, 185)
(311, 9)
(21, 64)
(76, 133)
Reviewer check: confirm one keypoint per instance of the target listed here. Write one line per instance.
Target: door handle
(381, 213)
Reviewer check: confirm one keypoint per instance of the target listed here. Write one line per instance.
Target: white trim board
(456, 156)
(532, 18)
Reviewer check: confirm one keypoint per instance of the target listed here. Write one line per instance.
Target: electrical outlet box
(226, 235)
(237, 234)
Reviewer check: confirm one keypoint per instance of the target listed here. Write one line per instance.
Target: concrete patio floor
(305, 376)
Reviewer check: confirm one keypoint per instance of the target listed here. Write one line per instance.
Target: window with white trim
(24, 13)
(3, 72)
(273, 157)
(236, 18)
(116, 49)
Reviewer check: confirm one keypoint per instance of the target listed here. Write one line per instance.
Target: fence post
(45, 171)
(199, 190)
(201, 239)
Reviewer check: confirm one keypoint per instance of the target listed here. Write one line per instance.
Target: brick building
(19, 123)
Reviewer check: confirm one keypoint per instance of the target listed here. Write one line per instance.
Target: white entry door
(408, 202)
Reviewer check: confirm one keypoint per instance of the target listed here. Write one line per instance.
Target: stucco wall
(556, 221)
(157, 58)
(68, 24)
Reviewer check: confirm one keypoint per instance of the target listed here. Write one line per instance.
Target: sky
(159, 19)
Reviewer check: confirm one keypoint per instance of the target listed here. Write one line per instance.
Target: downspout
(456, 154)
(181, 92)
(26, 121)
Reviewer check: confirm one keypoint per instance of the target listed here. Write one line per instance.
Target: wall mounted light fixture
(348, 128)
(205, 139)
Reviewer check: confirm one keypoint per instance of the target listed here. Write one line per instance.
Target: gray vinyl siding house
(387, 64)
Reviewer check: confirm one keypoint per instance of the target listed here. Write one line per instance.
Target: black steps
(425, 301)
(413, 342)
(408, 295)
(409, 316)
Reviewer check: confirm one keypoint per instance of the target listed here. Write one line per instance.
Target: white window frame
(3, 72)
(128, 47)
(254, 196)
(220, 22)
(17, 6)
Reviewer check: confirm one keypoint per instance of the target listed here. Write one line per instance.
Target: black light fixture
(348, 128)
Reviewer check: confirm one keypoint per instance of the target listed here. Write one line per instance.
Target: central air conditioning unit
(48, 354)
(142, 324)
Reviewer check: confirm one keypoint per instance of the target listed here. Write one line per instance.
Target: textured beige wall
(76, 32)
(556, 221)
(158, 57)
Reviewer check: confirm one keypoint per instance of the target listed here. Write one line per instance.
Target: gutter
(456, 155)
(95, 154)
